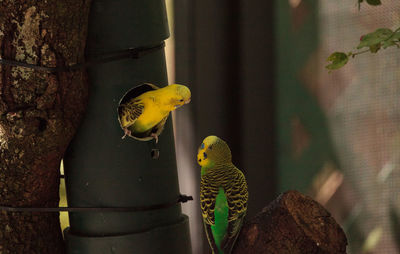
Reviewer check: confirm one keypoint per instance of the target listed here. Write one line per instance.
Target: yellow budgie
(145, 115)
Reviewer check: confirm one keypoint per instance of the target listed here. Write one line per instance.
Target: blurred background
(258, 79)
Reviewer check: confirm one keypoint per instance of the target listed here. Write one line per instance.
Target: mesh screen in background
(362, 104)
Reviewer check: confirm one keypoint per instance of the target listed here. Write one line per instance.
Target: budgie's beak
(186, 102)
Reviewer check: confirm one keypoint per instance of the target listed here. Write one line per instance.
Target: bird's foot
(155, 136)
(126, 132)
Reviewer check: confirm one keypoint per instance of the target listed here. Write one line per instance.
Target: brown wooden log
(292, 223)
(39, 114)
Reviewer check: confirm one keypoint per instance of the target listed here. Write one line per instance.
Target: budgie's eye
(202, 146)
(181, 100)
(210, 147)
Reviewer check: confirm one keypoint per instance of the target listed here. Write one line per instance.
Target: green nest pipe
(103, 170)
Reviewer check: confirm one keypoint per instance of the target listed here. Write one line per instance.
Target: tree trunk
(39, 113)
(292, 223)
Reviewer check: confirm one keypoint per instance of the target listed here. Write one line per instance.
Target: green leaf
(375, 48)
(338, 60)
(388, 43)
(374, 38)
(391, 41)
(396, 35)
(374, 2)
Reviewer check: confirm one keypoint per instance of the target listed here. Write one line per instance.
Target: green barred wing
(234, 185)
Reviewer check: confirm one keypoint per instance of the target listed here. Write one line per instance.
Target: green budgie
(223, 195)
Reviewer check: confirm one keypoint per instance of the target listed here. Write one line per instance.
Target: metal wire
(134, 53)
(180, 199)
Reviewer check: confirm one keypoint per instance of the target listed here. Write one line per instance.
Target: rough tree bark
(292, 223)
(39, 113)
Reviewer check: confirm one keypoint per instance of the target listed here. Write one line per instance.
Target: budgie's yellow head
(213, 151)
(176, 96)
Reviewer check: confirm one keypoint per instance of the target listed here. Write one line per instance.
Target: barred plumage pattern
(232, 180)
(130, 112)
